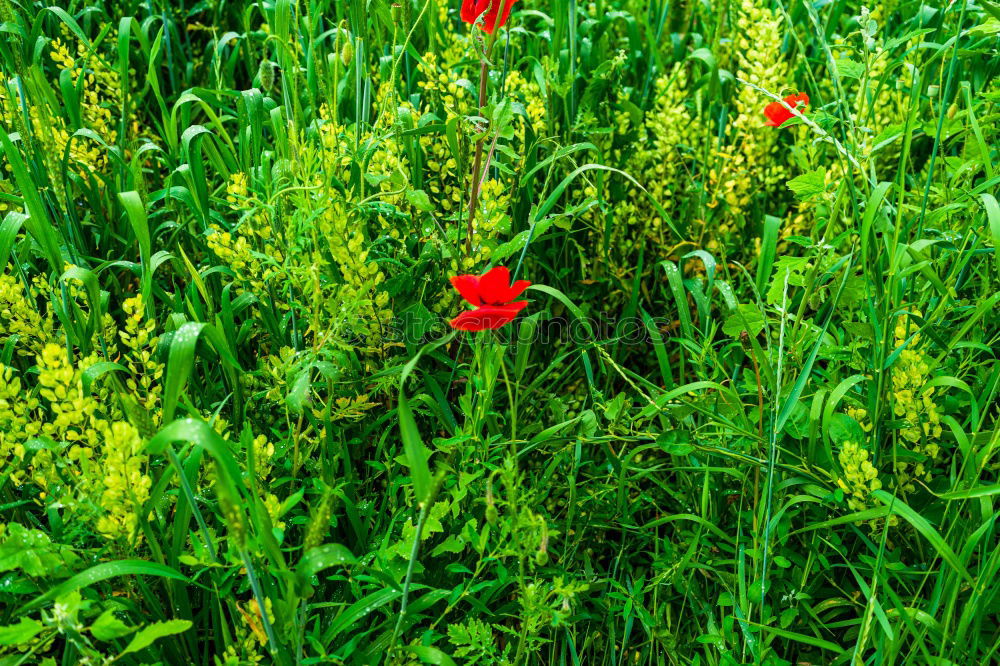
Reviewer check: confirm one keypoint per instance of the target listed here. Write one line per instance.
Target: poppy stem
(477, 162)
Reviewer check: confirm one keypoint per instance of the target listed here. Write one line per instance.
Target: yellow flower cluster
(60, 384)
(273, 506)
(250, 250)
(675, 134)
(670, 141)
(236, 189)
(236, 251)
(126, 484)
(146, 372)
(915, 404)
(441, 90)
(860, 476)
(752, 164)
(17, 422)
(455, 43)
(443, 180)
(94, 468)
(860, 414)
(441, 87)
(492, 220)
(380, 156)
(100, 93)
(18, 316)
(263, 452)
(530, 95)
(909, 375)
(361, 302)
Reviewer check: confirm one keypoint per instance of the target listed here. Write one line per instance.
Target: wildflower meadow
(499, 332)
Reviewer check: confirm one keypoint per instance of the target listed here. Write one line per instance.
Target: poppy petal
(498, 14)
(494, 286)
(487, 317)
(517, 288)
(473, 9)
(776, 113)
(468, 287)
(469, 11)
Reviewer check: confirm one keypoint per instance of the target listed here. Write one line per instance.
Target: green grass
(749, 415)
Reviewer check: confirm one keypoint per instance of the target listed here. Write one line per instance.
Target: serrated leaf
(20, 633)
(794, 268)
(32, 552)
(850, 69)
(746, 318)
(808, 184)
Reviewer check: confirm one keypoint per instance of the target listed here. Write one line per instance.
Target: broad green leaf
(747, 317)
(105, 571)
(20, 633)
(108, 627)
(809, 184)
(155, 631)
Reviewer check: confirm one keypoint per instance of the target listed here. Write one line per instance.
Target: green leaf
(20, 633)
(747, 317)
(33, 552)
(993, 216)
(94, 371)
(417, 321)
(180, 360)
(324, 557)
(416, 452)
(845, 429)
(419, 200)
(298, 395)
(809, 184)
(925, 529)
(104, 571)
(850, 69)
(795, 268)
(11, 225)
(108, 627)
(155, 631)
(413, 446)
(37, 223)
(140, 227)
(990, 27)
(358, 610)
(430, 655)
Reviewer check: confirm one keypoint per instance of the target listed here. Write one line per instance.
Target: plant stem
(477, 162)
(409, 573)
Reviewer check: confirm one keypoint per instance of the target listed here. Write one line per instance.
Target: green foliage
(748, 416)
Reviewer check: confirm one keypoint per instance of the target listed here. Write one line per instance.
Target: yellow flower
(126, 484)
(236, 189)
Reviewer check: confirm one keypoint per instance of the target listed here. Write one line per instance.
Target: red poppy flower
(496, 12)
(493, 296)
(777, 114)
